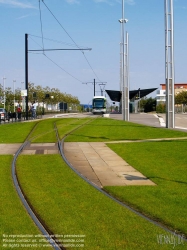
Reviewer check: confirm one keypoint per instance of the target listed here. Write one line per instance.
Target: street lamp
(123, 20)
(124, 83)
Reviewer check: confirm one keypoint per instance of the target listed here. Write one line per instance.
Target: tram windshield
(99, 103)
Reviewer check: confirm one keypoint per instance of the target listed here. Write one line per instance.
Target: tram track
(174, 233)
(38, 221)
(49, 236)
(46, 232)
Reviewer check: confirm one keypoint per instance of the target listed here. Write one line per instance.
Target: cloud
(72, 1)
(105, 1)
(130, 2)
(111, 2)
(22, 17)
(17, 4)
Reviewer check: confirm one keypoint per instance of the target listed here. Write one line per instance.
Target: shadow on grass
(90, 137)
(134, 177)
(117, 125)
(182, 182)
(104, 138)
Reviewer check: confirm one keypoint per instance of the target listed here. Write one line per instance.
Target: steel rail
(48, 235)
(61, 147)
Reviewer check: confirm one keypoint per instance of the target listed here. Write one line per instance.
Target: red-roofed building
(161, 94)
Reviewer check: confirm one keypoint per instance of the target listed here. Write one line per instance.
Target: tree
(49, 96)
(181, 98)
(38, 94)
(148, 104)
(1, 93)
(161, 108)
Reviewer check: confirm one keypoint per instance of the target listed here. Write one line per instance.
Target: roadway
(155, 120)
(149, 119)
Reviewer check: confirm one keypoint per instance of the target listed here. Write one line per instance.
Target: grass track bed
(14, 219)
(165, 164)
(104, 129)
(15, 132)
(69, 205)
(45, 132)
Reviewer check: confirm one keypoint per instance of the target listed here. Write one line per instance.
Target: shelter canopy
(115, 95)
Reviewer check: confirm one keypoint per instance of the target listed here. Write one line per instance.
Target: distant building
(161, 94)
(86, 107)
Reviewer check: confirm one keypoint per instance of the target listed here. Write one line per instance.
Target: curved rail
(46, 233)
(61, 145)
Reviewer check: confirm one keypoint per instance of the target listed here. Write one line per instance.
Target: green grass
(15, 132)
(68, 205)
(14, 219)
(165, 164)
(104, 129)
(44, 132)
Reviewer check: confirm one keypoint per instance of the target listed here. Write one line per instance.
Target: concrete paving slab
(50, 152)
(122, 169)
(121, 163)
(136, 178)
(111, 158)
(28, 152)
(96, 182)
(135, 175)
(90, 175)
(40, 148)
(71, 145)
(113, 182)
(97, 163)
(42, 144)
(76, 157)
(91, 156)
(101, 165)
(140, 183)
(83, 144)
(80, 164)
(9, 149)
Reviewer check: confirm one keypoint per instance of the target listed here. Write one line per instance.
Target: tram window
(98, 103)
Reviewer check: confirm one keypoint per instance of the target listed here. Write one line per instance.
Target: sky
(93, 24)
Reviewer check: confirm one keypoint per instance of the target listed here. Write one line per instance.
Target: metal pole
(4, 78)
(26, 73)
(169, 64)
(121, 85)
(127, 78)
(94, 87)
(14, 92)
(123, 65)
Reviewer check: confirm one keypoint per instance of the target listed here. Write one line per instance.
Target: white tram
(99, 104)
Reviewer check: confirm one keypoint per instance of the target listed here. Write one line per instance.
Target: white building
(160, 96)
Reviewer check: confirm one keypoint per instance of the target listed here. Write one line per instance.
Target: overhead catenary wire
(41, 25)
(56, 41)
(71, 39)
(53, 61)
(62, 68)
